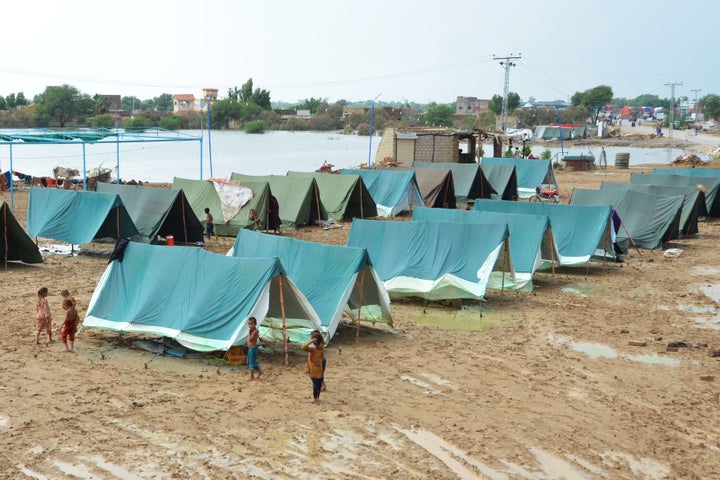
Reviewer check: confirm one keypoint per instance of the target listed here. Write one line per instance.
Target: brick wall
(436, 148)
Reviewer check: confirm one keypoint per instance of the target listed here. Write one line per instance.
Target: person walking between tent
(252, 345)
(210, 225)
(43, 317)
(316, 352)
(70, 325)
(65, 294)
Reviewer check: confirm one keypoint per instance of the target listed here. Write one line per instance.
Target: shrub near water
(255, 126)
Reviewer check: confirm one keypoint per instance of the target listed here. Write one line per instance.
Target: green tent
(503, 179)
(434, 260)
(335, 279)
(202, 194)
(531, 246)
(648, 220)
(394, 191)
(158, 212)
(684, 178)
(531, 173)
(200, 299)
(15, 244)
(470, 183)
(78, 217)
(693, 203)
(344, 196)
(298, 197)
(581, 232)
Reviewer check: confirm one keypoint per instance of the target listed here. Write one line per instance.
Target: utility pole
(695, 106)
(506, 63)
(672, 86)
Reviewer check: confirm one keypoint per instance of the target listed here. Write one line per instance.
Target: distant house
(470, 105)
(430, 145)
(186, 102)
(391, 113)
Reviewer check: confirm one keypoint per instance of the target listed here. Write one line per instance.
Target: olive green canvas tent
(202, 194)
(297, 196)
(648, 220)
(158, 212)
(344, 196)
(15, 244)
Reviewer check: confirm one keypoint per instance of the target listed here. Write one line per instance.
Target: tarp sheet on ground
(200, 299)
(330, 276)
(434, 260)
(15, 244)
(297, 196)
(580, 232)
(693, 203)
(530, 172)
(344, 196)
(468, 178)
(648, 220)
(158, 211)
(202, 194)
(686, 177)
(503, 179)
(78, 217)
(394, 192)
(437, 187)
(530, 239)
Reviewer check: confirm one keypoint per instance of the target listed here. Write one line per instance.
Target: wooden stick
(357, 330)
(284, 324)
(552, 253)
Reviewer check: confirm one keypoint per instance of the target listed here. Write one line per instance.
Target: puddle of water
(696, 308)
(116, 470)
(467, 318)
(713, 323)
(706, 270)
(4, 421)
(594, 350)
(642, 468)
(428, 388)
(712, 292)
(26, 471)
(574, 291)
(75, 471)
(454, 458)
(58, 249)
(556, 467)
(654, 359)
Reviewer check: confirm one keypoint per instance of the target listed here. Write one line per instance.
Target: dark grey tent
(470, 184)
(693, 203)
(649, 220)
(710, 184)
(503, 179)
(15, 244)
(158, 211)
(436, 185)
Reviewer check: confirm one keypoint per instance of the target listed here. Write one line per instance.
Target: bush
(546, 154)
(255, 126)
(363, 129)
(103, 121)
(170, 122)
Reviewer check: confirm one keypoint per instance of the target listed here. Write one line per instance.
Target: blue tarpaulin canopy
(393, 191)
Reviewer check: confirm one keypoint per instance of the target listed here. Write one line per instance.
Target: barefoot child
(69, 325)
(316, 353)
(43, 318)
(252, 347)
(66, 295)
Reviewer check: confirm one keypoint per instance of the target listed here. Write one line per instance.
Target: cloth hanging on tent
(233, 196)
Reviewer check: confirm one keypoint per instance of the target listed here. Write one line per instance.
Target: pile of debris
(688, 159)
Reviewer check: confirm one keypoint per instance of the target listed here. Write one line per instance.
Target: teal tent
(200, 299)
(531, 173)
(344, 196)
(333, 278)
(202, 194)
(158, 212)
(580, 232)
(503, 179)
(693, 202)
(649, 220)
(297, 196)
(531, 244)
(468, 178)
(15, 244)
(394, 192)
(688, 172)
(684, 178)
(78, 217)
(434, 260)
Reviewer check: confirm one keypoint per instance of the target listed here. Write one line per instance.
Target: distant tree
(322, 122)
(487, 121)
(295, 123)
(311, 104)
(104, 120)
(138, 122)
(577, 114)
(3, 103)
(102, 104)
(594, 99)
(342, 102)
(261, 98)
(11, 101)
(60, 105)
(255, 126)
(130, 104)
(246, 91)
(710, 105)
(271, 119)
(20, 100)
(223, 112)
(439, 116)
(170, 122)
(163, 103)
(513, 101)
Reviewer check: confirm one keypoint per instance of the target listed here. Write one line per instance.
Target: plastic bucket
(170, 240)
(622, 160)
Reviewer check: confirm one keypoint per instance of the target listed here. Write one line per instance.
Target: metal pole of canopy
(117, 150)
(209, 140)
(284, 323)
(12, 183)
(84, 169)
(201, 157)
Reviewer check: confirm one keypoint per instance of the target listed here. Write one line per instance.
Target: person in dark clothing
(273, 215)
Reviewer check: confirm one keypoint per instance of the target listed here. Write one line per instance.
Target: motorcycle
(546, 193)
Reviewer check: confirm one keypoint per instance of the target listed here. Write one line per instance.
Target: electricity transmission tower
(506, 63)
(672, 86)
(695, 106)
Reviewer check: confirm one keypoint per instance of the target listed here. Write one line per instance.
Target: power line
(506, 63)
(672, 86)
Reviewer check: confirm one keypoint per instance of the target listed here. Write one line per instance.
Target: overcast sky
(419, 50)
